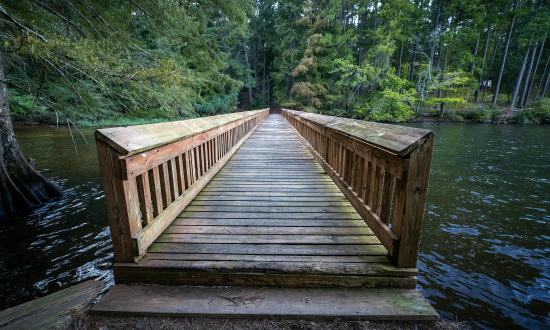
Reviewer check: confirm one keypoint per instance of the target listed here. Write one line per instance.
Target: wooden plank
(123, 212)
(273, 267)
(273, 209)
(132, 274)
(273, 249)
(285, 222)
(408, 225)
(240, 302)
(265, 258)
(267, 230)
(394, 138)
(53, 310)
(135, 139)
(272, 199)
(266, 239)
(144, 194)
(269, 216)
(212, 203)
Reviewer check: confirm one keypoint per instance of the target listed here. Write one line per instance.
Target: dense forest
(100, 62)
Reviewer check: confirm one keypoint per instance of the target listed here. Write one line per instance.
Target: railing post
(121, 197)
(410, 203)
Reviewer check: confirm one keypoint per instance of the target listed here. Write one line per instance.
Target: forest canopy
(94, 61)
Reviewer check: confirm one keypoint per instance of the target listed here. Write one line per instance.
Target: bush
(540, 113)
(453, 116)
(389, 106)
(480, 115)
(23, 107)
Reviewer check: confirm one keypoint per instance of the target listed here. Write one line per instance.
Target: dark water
(485, 252)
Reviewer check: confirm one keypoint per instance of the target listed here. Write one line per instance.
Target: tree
(21, 186)
(94, 59)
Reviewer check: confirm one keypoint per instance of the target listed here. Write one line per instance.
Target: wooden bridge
(273, 199)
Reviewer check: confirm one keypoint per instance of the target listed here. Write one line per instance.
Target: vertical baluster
(367, 184)
(387, 197)
(197, 159)
(156, 190)
(204, 157)
(174, 178)
(144, 195)
(181, 173)
(375, 186)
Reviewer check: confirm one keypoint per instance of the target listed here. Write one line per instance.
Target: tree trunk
(482, 68)
(21, 186)
(546, 85)
(517, 84)
(535, 69)
(523, 99)
(411, 65)
(539, 88)
(490, 73)
(474, 53)
(399, 60)
(496, 90)
(245, 48)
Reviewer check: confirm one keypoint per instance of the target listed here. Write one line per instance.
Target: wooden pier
(281, 200)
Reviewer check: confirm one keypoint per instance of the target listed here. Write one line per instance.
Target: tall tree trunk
(482, 68)
(474, 53)
(490, 73)
(517, 84)
(546, 85)
(399, 60)
(496, 90)
(535, 69)
(21, 186)
(248, 74)
(411, 64)
(435, 34)
(523, 99)
(539, 89)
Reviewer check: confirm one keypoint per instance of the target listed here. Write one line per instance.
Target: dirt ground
(86, 321)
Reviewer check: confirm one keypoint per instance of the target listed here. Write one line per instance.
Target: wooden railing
(382, 169)
(152, 172)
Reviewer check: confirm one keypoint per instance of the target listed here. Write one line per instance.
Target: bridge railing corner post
(123, 212)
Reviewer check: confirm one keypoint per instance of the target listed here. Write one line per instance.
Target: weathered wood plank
(268, 230)
(273, 249)
(266, 239)
(265, 258)
(315, 304)
(51, 311)
(274, 267)
(135, 139)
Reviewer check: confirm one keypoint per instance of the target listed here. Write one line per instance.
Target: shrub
(540, 113)
(389, 106)
(480, 115)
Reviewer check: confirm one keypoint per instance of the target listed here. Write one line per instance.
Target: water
(485, 257)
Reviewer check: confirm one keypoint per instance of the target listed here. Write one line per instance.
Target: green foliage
(539, 113)
(389, 106)
(24, 107)
(95, 60)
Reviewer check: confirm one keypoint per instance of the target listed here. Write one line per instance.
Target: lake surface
(485, 250)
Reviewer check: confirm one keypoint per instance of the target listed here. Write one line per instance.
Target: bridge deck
(271, 216)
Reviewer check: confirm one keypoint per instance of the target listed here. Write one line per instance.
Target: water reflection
(485, 256)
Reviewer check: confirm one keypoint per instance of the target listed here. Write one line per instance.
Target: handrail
(152, 172)
(382, 169)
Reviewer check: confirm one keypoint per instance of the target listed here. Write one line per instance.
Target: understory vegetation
(97, 62)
